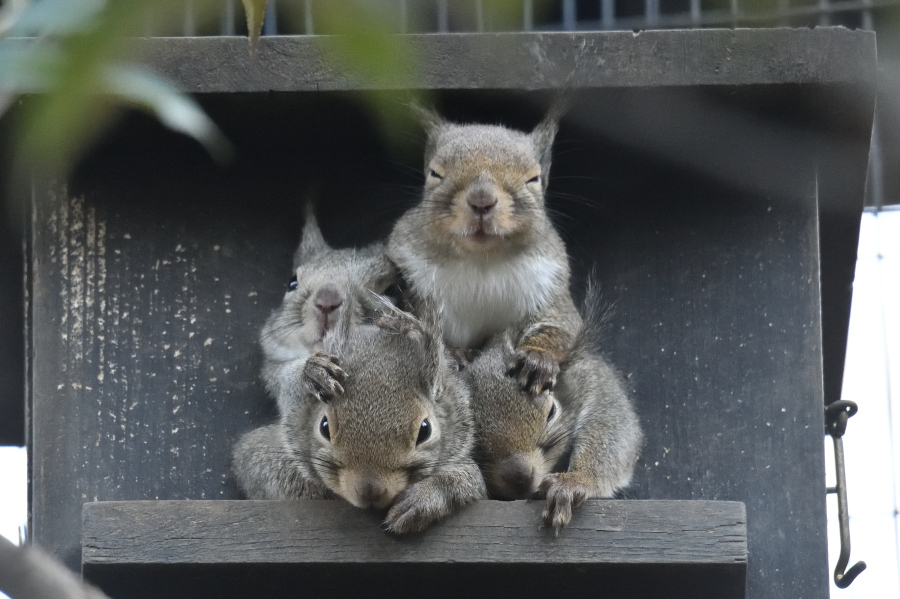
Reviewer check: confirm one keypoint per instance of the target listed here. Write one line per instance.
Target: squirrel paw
(323, 375)
(535, 370)
(463, 356)
(393, 322)
(564, 491)
(415, 508)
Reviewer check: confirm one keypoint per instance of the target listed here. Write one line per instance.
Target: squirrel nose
(328, 299)
(518, 477)
(372, 494)
(482, 201)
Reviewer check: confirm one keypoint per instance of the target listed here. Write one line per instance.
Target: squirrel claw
(323, 375)
(415, 509)
(564, 492)
(393, 322)
(534, 370)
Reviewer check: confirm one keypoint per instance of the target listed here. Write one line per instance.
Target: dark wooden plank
(533, 60)
(620, 549)
(269, 532)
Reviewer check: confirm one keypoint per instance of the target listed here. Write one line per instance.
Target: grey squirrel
(580, 440)
(481, 246)
(316, 301)
(379, 417)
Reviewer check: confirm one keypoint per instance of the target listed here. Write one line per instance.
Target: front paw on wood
(565, 491)
(535, 370)
(324, 376)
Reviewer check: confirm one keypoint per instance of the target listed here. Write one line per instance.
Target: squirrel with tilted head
(481, 246)
(316, 301)
(383, 422)
(578, 441)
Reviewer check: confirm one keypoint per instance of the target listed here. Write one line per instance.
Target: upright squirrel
(316, 300)
(578, 441)
(382, 420)
(480, 244)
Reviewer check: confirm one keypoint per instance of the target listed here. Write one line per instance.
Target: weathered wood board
(698, 205)
(238, 539)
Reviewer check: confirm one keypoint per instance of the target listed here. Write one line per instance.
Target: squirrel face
(402, 409)
(484, 184)
(316, 296)
(520, 438)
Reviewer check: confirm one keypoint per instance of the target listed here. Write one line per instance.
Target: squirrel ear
(542, 136)
(432, 122)
(311, 241)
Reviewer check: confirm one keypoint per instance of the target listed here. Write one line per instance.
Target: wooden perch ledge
(492, 548)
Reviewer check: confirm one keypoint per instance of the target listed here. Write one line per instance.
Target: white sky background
(872, 440)
(871, 444)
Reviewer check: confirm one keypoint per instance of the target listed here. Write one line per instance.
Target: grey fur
(507, 269)
(587, 449)
(295, 329)
(395, 377)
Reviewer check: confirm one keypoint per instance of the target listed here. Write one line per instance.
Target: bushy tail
(596, 315)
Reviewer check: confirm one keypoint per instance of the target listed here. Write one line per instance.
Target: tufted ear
(543, 135)
(311, 241)
(433, 123)
(425, 330)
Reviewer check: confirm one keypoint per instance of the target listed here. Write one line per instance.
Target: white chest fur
(480, 299)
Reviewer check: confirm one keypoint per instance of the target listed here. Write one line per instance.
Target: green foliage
(73, 55)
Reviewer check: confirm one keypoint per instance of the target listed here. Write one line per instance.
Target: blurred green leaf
(177, 111)
(76, 63)
(256, 14)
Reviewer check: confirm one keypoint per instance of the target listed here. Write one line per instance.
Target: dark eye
(424, 432)
(292, 284)
(533, 180)
(552, 412)
(435, 175)
(323, 428)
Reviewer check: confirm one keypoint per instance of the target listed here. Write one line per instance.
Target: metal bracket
(836, 415)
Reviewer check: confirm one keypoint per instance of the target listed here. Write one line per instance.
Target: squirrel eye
(552, 412)
(533, 180)
(323, 428)
(424, 432)
(435, 175)
(292, 284)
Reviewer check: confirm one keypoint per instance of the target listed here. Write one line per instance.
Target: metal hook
(836, 415)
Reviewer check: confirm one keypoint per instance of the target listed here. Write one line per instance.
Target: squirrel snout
(515, 476)
(372, 494)
(328, 299)
(482, 201)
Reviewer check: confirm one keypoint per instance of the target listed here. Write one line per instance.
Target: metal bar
(825, 16)
(651, 12)
(226, 25)
(527, 15)
(443, 16)
(569, 15)
(608, 13)
(308, 17)
(728, 17)
(836, 416)
(479, 16)
(189, 27)
(783, 9)
(876, 168)
(696, 15)
(404, 16)
(270, 24)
